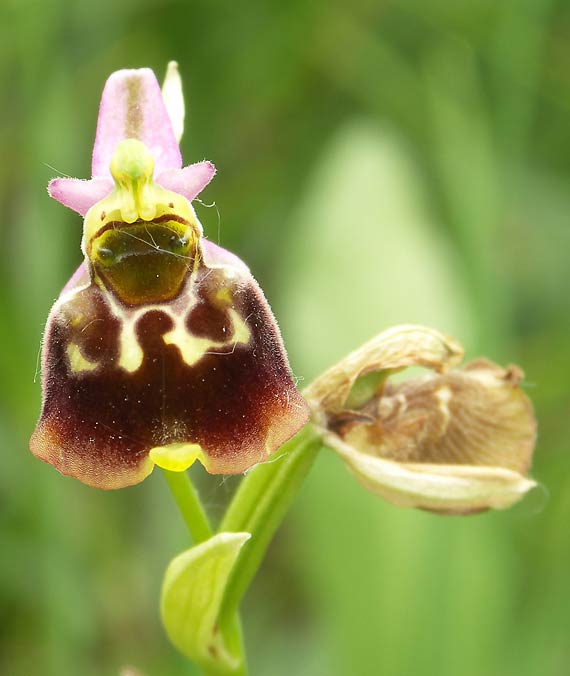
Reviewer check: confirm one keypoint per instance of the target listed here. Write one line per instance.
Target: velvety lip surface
(238, 402)
(160, 337)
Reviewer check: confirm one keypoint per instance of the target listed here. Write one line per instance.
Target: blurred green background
(378, 162)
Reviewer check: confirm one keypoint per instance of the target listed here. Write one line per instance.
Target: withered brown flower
(455, 440)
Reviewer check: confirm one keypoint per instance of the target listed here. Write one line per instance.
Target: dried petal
(444, 489)
(392, 350)
(456, 442)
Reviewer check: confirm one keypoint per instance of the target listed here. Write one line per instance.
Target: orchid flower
(161, 348)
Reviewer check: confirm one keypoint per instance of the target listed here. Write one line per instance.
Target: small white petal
(173, 99)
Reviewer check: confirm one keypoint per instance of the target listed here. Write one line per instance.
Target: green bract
(192, 593)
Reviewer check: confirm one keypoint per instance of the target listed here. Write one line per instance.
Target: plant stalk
(189, 505)
(260, 505)
(196, 520)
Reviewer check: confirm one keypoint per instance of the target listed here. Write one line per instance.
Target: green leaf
(192, 592)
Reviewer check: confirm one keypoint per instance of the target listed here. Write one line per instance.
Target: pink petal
(189, 181)
(77, 194)
(132, 107)
(216, 256)
(79, 278)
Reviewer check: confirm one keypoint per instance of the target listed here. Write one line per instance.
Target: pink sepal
(79, 278)
(132, 107)
(189, 181)
(78, 194)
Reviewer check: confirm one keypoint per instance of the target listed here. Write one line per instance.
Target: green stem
(259, 506)
(196, 520)
(189, 505)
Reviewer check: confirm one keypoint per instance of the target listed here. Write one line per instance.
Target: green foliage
(192, 593)
(378, 162)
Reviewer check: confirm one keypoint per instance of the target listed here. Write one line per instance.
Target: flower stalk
(189, 505)
(260, 505)
(194, 515)
(256, 510)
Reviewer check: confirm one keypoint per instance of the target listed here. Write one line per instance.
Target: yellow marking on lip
(241, 330)
(193, 349)
(131, 354)
(224, 295)
(77, 362)
(176, 457)
(76, 320)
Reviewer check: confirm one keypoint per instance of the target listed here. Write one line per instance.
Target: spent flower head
(456, 441)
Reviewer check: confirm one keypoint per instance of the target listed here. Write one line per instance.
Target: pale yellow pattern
(193, 349)
(77, 362)
(131, 354)
(224, 295)
(76, 320)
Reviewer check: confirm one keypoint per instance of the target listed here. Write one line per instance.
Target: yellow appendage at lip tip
(176, 457)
